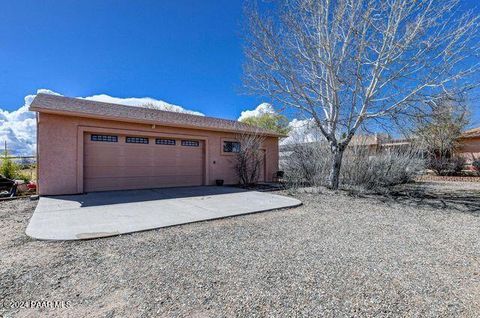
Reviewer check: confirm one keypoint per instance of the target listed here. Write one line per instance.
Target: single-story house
(468, 145)
(86, 146)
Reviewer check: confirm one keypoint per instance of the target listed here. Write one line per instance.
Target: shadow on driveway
(143, 195)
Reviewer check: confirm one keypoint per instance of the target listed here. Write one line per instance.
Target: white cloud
(18, 127)
(302, 131)
(141, 101)
(263, 108)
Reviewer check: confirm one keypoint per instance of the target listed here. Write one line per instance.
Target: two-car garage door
(118, 162)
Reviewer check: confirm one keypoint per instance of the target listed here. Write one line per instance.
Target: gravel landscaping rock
(337, 255)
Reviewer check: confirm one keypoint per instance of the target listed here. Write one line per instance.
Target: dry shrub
(476, 165)
(248, 160)
(308, 164)
(387, 167)
(446, 166)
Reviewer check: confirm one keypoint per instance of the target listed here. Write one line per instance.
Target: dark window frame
(230, 146)
(165, 142)
(137, 140)
(190, 143)
(103, 138)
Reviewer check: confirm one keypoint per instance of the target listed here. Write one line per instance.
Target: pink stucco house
(86, 146)
(469, 145)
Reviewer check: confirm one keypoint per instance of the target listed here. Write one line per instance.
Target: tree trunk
(335, 170)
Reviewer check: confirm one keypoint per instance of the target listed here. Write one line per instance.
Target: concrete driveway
(101, 214)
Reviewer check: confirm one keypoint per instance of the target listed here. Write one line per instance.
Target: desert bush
(457, 165)
(443, 166)
(476, 165)
(439, 165)
(381, 169)
(309, 164)
(248, 159)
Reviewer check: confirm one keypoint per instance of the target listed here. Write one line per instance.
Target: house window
(231, 146)
(161, 141)
(136, 140)
(104, 138)
(190, 143)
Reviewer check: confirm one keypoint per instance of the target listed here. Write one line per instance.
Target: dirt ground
(413, 252)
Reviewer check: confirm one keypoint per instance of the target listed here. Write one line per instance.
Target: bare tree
(248, 157)
(349, 63)
(438, 132)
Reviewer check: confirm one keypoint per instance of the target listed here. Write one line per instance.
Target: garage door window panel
(167, 142)
(104, 138)
(136, 140)
(190, 143)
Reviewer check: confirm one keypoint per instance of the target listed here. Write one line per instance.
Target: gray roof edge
(39, 104)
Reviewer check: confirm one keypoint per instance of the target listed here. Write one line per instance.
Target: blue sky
(184, 52)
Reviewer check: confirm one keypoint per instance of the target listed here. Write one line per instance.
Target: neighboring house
(86, 146)
(469, 144)
(469, 147)
(374, 142)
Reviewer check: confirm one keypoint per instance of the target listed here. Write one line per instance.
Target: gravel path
(337, 255)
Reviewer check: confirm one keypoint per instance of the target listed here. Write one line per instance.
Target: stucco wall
(469, 149)
(58, 151)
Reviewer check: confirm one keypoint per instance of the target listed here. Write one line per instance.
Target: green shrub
(8, 168)
(23, 176)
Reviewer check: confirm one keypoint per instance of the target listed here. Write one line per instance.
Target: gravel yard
(337, 255)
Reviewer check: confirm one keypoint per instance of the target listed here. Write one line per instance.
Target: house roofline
(146, 121)
(69, 106)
